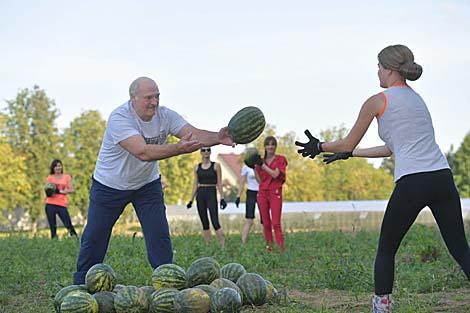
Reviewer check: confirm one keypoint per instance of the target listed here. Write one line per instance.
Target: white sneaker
(382, 304)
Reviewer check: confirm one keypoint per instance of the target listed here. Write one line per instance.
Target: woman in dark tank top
(207, 179)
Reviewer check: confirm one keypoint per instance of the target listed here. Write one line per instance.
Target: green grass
(321, 272)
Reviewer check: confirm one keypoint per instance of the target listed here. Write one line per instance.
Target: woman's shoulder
(281, 157)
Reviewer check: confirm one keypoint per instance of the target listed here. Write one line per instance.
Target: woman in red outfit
(56, 204)
(271, 175)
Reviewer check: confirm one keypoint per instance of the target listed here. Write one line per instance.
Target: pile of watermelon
(204, 287)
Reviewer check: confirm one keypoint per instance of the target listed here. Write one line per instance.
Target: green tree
(355, 178)
(177, 173)
(14, 184)
(303, 177)
(461, 167)
(33, 135)
(81, 144)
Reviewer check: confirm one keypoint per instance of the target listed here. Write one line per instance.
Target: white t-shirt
(406, 128)
(116, 167)
(251, 182)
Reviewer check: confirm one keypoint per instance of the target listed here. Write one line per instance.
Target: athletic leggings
(270, 207)
(411, 194)
(250, 203)
(206, 198)
(51, 211)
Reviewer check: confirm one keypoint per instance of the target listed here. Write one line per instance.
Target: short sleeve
(176, 121)
(282, 165)
(121, 127)
(244, 171)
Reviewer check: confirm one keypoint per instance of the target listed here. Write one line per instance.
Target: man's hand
(223, 204)
(328, 158)
(311, 148)
(187, 144)
(224, 137)
(189, 205)
(237, 201)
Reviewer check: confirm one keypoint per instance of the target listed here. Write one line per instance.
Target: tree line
(30, 140)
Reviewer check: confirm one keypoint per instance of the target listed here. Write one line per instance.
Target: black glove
(189, 205)
(237, 201)
(49, 192)
(56, 189)
(311, 148)
(328, 158)
(257, 160)
(223, 204)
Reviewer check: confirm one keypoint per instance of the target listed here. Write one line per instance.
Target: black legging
(51, 211)
(411, 194)
(206, 198)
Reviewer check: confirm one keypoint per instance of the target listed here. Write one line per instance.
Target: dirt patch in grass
(455, 301)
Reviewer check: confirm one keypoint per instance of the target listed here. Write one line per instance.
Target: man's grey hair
(135, 85)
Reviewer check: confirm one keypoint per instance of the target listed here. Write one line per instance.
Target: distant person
(127, 172)
(248, 177)
(270, 172)
(56, 203)
(207, 180)
(422, 175)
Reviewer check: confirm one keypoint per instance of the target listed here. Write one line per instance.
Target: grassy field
(321, 272)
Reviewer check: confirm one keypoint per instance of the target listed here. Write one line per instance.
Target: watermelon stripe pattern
(226, 300)
(192, 300)
(100, 277)
(131, 299)
(203, 271)
(253, 287)
(62, 293)
(233, 271)
(169, 276)
(210, 290)
(105, 301)
(220, 283)
(246, 125)
(163, 301)
(79, 302)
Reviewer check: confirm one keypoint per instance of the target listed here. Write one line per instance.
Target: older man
(127, 172)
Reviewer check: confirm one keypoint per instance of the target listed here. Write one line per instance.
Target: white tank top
(406, 127)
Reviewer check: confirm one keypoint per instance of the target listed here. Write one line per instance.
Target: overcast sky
(306, 64)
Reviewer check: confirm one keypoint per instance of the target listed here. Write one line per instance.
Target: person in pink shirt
(270, 172)
(56, 204)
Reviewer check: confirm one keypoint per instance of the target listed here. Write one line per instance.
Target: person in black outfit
(207, 179)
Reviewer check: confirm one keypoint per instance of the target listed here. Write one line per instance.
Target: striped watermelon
(148, 291)
(226, 300)
(163, 300)
(210, 290)
(246, 125)
(253, 287)
(202, 271)
(100, 277)
(272, 295)
(79, 302)
(105, 301)
(220, 283)
(60, 295)
(118, 287)
(249, 156)
(192, 300)
(131, 299)
(232, 271)
(169, 276)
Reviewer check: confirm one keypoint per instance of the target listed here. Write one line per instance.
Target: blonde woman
(422, 174)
